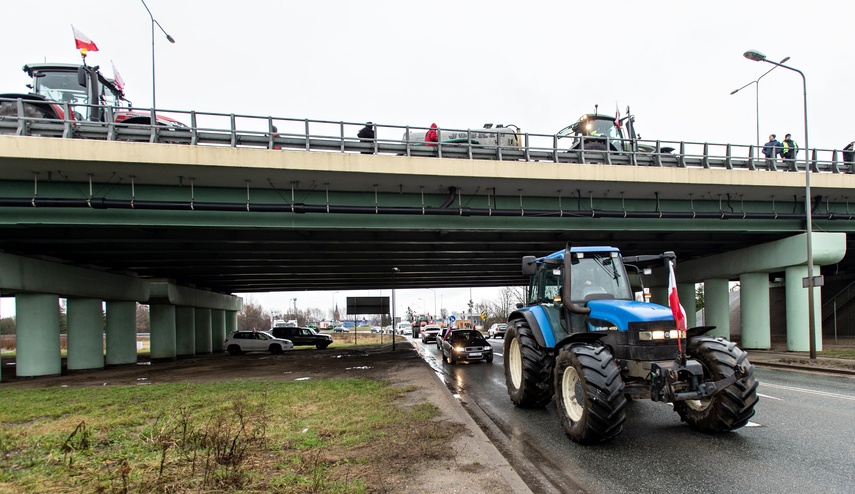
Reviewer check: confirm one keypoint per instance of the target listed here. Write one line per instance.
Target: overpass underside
(226, 220)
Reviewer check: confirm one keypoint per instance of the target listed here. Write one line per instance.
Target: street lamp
(756, 83)
(424, 305)
(395, 271)
(153, 80)
(759, 57)
(333, 307)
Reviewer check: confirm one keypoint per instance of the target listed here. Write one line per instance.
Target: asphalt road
(800, 440)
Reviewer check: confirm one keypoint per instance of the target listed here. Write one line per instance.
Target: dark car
(466, 345)
(303, 336)
(429, 332)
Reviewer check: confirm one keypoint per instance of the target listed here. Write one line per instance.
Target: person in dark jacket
(366, 134)
(771, 150)
(431, 137)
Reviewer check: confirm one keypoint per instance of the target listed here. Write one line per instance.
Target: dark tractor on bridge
(582, 338)
(599, 132)
(82, 91)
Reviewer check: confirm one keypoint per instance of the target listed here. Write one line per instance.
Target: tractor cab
(595, 129)
(84, 88)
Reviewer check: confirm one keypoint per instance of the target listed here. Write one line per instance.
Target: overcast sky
(537, 64)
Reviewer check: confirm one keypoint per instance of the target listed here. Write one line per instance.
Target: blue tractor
(582, 338)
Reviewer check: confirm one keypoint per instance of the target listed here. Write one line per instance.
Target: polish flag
(674, 302)
(82, 42)
(117, 78)
(617, 115)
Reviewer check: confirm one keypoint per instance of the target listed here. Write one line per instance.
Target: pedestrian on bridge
(366, 135)
(431, 137)
(771, 150)
(790, 148)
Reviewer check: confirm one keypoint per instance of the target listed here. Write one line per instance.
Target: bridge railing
(268, 132)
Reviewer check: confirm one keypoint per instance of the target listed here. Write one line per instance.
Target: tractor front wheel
(728, 409)
(528, 368)
(589, 393)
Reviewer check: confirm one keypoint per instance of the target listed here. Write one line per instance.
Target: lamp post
(756, 83)
(333, 307)
(395, 271)
(759, 57)
(153, 80)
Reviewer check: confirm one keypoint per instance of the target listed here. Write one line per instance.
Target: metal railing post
(233, 130)
(835, 166)
(22, 120)
(706, 159)
(67, 129)
(194, 130)
(751, 165)
(306, 129)
(728, 160)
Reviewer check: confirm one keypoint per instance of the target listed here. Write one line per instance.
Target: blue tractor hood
(622, 312)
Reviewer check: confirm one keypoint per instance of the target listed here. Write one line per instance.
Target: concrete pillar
(85, 334)
(659, 295)
(686, 292)
(162, 331)
(754, 302)
(717, 306)
(218, 329)
(185, 331)
(37, 341)
(798, 339)
(121, 332)
(231, 321)
(203, 331)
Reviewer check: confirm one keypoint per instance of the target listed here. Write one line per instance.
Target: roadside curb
(497, 460)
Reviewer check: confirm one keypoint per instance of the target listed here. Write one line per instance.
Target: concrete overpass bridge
(184, 227)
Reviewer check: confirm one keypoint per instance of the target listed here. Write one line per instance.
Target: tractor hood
(622, 312)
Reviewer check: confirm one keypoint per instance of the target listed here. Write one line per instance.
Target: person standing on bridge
(790, 148)
(771, 150)
(431, 137)
(366, 135)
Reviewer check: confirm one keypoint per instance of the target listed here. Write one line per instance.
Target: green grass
(840, 353)
(235, 436)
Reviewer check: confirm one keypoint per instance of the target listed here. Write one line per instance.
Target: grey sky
(538, 64)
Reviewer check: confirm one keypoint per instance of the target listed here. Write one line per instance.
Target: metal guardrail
(251, 131)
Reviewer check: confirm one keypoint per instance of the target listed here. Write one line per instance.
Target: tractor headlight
(661, 335)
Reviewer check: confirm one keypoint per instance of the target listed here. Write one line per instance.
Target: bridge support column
(231, 322)
(185, 331)
(85, 341)
(162, 331)
(798, 337)
(659, 295)
(686, 292)
(754, 302)
(121, 332)
(218, 330)
(717, 306)
(37, 342)
(203, 331)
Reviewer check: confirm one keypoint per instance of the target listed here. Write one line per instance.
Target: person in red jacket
(431, 136)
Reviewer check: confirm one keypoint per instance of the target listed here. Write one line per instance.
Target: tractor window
(599, 276)
(60, 86)
(545, 286)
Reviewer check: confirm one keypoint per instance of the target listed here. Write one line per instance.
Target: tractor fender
(698, 331)
(532, 320)
(586, 338)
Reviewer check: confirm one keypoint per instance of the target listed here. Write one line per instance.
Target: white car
(497, 329)
(255, 341)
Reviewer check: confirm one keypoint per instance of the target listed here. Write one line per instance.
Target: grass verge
(336, 435)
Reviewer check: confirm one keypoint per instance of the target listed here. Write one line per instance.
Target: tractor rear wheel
(589, 393)
(731, 408)
(528, 368)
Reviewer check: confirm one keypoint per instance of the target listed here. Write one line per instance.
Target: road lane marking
(770, 397)
(810, 391)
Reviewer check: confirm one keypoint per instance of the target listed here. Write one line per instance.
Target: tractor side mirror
(81, 76)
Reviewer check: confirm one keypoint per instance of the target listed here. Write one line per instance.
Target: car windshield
(470, 336)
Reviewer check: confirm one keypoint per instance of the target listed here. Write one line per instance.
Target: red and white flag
(617, 115)
(82, 42)
(117, 78)
(674, 299)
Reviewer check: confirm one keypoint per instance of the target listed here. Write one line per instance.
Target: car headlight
(488, 348)
(459, 349)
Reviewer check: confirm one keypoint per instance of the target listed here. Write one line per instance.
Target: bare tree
(143, 318)
(253, 317)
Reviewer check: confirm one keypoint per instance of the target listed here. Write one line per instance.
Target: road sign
(484, 315)
(451, 319)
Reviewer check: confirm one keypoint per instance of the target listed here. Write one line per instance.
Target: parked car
(429, 332)
(302, 336)
(497, 329)
(376, 329)
(466, 345)
(404, 328)
(255, 341)
(341, 329)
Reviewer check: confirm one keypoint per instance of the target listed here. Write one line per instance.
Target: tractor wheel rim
(515, 363)
(570, 386)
